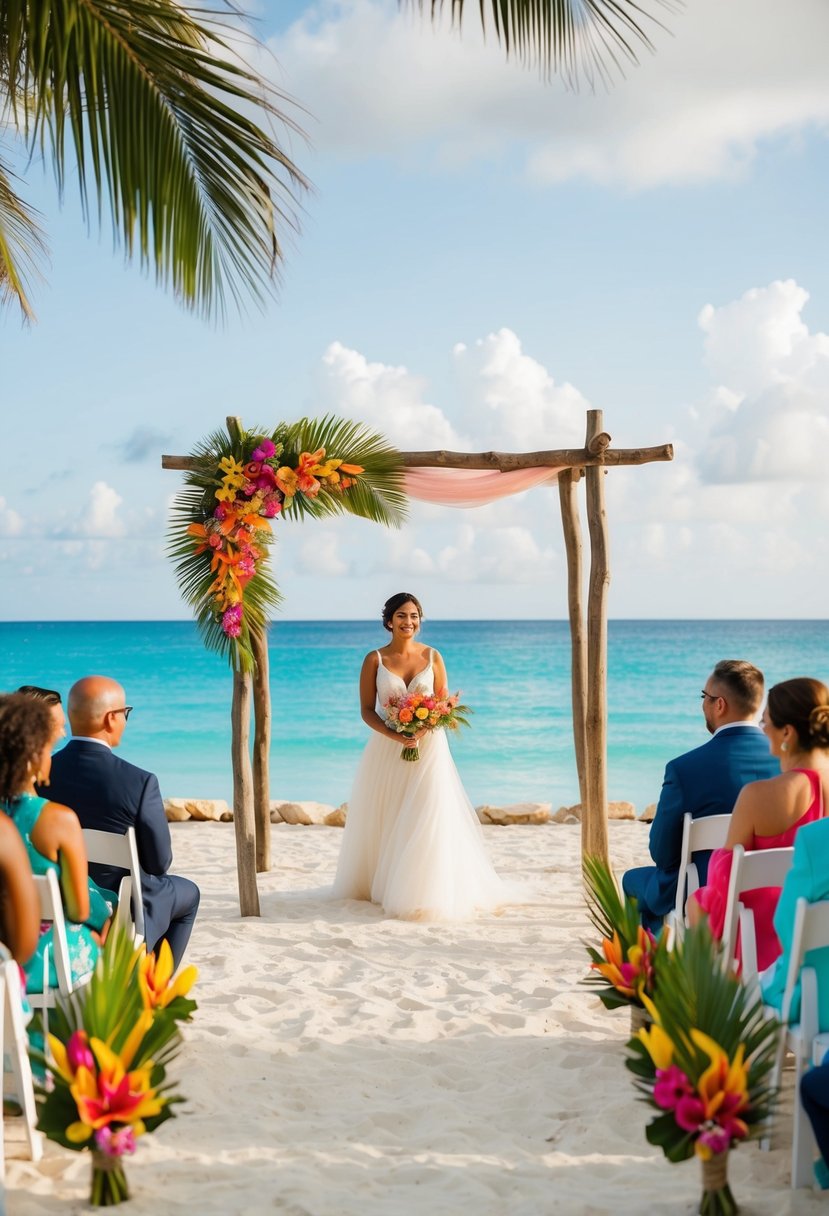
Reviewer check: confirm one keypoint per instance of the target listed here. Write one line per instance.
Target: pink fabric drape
(473, 487)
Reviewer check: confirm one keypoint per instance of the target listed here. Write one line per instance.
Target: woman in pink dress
(767, 814)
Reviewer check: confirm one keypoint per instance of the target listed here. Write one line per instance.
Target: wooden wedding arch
(588, 638)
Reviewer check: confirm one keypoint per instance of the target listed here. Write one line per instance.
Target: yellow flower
(155, 976)
(287, 481)
(225, 494)
(422, 713)
(231, 467)
(658, 1045)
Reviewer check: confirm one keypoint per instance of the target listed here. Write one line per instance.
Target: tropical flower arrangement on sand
(704, 1064)
(106, 1060)
(411, 712)
(239, 482)
(625, 971)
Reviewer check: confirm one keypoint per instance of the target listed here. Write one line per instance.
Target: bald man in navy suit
(705, 781)
(110, 795)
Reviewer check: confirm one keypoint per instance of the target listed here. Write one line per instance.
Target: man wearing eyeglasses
(109, 794)
(705, 781)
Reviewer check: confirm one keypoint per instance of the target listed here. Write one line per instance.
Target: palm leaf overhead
(571, 37)
(377, 494)
(21, 245)
(168, 124)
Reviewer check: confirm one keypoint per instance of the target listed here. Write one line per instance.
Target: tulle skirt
(412, 841)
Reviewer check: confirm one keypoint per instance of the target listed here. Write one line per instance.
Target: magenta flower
(232, 620)
(79, 1053)
(272, 507)
(264, 451)
(221, 511)
(266, 479)
(689, 1113)
(115, 1144)
(716, 1138)
(671, 1085)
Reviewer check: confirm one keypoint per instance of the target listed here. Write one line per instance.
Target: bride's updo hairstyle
(803, 704)
(397, 601)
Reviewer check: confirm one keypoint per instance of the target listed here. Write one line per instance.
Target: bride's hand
(413, 740)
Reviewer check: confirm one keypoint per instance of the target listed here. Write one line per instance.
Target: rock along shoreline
(321, 814)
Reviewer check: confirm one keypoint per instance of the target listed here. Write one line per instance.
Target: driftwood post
(261, 749)
(571, 525)
(594, 813)
(243, 821)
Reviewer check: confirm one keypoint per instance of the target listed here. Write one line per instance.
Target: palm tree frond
(170, 125)
(22, 245)
(593, 38)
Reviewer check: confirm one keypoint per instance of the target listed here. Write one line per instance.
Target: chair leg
(22, 1072)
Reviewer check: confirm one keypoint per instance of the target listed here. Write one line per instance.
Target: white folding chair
(749, 870)
(803, 1038)
(16, 1052)
(51, 909)
(114, 849)
(698, 835)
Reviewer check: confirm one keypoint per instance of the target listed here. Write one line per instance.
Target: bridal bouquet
(704, 1064)
(411, 712)
(108, 1050)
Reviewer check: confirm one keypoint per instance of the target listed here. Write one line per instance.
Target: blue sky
(482, 259)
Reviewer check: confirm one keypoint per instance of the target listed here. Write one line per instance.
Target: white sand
(344, 1064)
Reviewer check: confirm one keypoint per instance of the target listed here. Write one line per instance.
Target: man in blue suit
(111, 795)
(705, 781)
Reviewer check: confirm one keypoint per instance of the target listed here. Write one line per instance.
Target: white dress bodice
(390, 684)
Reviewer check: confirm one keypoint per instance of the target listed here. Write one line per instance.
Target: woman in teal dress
(52, 836)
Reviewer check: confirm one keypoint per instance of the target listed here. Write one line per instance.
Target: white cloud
(386, 398)
(320, 555)
(11, 523)
(469, 554)
(101, 517)
(769, 418)
(381, 81)
(512, 401)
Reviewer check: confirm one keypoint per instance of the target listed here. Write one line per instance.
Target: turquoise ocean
(515, 675)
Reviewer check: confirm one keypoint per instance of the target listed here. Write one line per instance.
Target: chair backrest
(116, 849)
(698, 835)
(51, 909)
(811, 932)
(750, 870)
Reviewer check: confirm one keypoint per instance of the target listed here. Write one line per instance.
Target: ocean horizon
(515, 675)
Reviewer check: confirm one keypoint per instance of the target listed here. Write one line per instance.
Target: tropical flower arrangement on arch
(106, 1058)
(625, 971)
(704, 1064)
(239, 482)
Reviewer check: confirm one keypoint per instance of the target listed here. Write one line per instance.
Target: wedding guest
(769, 814)
(814, 1094)
(51, 836)
(705, 781)
(112, 795)
(52, 699)
(807, 879)
(19, 905)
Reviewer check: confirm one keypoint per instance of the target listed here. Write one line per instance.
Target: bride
(412, 841)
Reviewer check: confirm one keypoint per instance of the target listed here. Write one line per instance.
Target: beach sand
(344, 1064)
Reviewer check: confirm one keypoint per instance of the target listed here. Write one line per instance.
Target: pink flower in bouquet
(671, 1085)
(690, 1113)
(115, 1144)
(271, 508)
(78, 1052)
(715, 1139)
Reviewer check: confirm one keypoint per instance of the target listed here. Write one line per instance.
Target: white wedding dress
(412, 841)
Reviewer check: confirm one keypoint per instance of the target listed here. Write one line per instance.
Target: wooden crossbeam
(598, 453)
